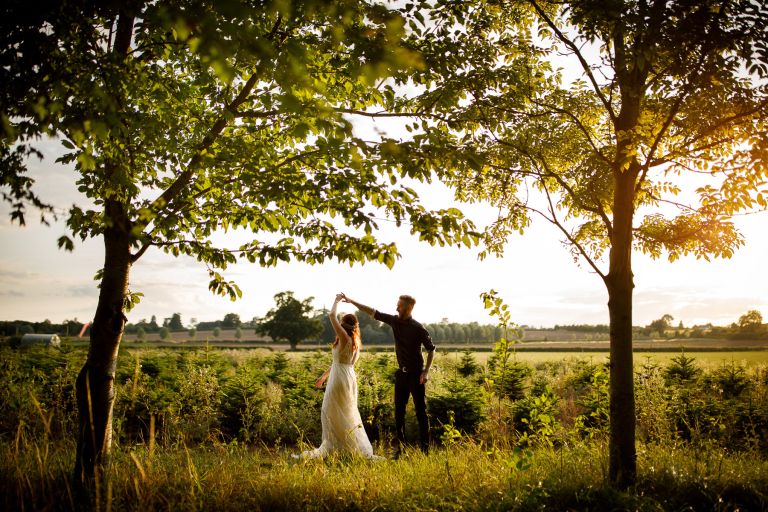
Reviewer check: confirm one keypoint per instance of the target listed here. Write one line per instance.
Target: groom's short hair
(408, 300)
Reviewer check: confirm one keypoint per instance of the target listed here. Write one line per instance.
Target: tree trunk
(95, 385)
(622, 455)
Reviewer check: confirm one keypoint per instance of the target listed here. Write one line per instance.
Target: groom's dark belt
(405, 369)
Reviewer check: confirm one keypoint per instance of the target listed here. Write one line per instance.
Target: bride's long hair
(352, 327)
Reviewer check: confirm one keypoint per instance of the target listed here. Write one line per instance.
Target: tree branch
(123, 34)
(138, 254)
(556, 222)
(213, 133)
(579, 125)
(584, 64)
(255, 114)
(549, 173)
(383, 113)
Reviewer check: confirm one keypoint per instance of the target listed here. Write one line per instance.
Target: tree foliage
(174, 322)
(662, 324)
(290, 320)
(751, 321)
(651, 138)
(508, 122)
(220, 116)
(231, 321)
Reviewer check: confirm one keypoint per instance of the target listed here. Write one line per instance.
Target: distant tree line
(464, 333)
(174, 324)
(587, 328)
(22, 327)
(749, 325)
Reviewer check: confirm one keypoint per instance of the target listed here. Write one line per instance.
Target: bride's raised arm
(344, 338)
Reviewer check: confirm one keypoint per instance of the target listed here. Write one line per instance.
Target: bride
(342, 426)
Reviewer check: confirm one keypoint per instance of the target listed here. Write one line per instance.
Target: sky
(536, 276)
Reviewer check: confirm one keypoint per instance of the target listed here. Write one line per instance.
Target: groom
(412, 374)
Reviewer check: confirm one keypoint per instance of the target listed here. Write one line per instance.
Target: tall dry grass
(465, 476)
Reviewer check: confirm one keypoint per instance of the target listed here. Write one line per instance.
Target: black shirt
(410, 335)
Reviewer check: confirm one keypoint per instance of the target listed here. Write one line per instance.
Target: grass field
(747, 358)
(466, 476)
(214, 429)
(705, 359)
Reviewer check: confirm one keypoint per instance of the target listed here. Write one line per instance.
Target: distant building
(47, 340)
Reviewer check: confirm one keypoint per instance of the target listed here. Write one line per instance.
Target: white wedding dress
(342, 426)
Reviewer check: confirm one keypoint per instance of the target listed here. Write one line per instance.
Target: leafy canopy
(672, 94)
(222, 115)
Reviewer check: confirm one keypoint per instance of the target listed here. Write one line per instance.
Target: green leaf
(86, 161)
(66, 243)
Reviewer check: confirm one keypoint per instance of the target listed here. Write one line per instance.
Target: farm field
(713, 353)
(747, 358)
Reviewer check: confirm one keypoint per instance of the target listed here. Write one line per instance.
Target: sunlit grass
(717, 463)
(467, 476)
(748, 359)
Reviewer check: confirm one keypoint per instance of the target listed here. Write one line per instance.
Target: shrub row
(210, 396)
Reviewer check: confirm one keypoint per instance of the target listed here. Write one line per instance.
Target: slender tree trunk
(631, 78)
(622, 455)
(95, 385)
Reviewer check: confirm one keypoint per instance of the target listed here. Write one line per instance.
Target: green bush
(581, 374)
(535, 418)
(460, 404)
(652, 404)
(509, 378)
(146, 388)
(375, 397)
(200, 396)
(593, 420)
(197, 409)
(728, 381)
(468, 365)
(242, 401)
(682, 370)
(277, 365)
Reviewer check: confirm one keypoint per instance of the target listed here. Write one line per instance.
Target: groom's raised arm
(362, 307)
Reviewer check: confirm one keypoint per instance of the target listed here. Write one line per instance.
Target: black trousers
(406, 385)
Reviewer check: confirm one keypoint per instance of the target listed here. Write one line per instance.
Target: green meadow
(214, 429)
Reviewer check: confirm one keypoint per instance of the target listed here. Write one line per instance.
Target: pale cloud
(80, 290)
(9, 274)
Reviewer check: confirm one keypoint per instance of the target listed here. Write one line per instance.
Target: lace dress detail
(342, 425)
